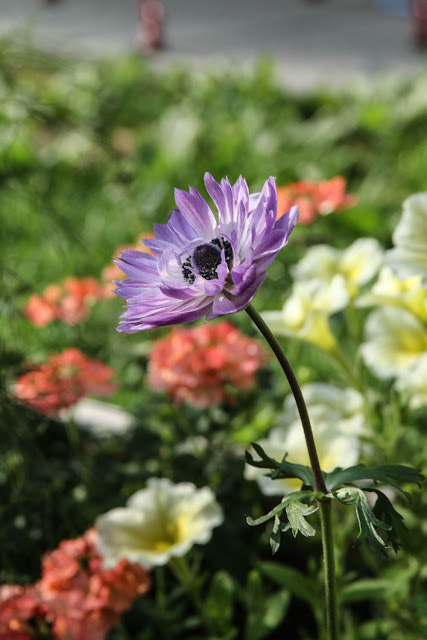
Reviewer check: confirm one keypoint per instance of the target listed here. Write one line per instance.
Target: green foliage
(90, 153)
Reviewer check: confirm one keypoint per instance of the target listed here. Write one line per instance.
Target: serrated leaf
(275, 536)
(309, 496)
(368, 522)
(385, 511)
(387, 474)
(297, 512)
(283, 469)
(292, 579)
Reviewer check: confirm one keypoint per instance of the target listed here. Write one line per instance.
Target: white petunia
(160, 522)
(409, 256)
(337, 416)
(334, 449)
(414, 382)
(395, 340)
(390, 290)
(305, 314)
(356, 265)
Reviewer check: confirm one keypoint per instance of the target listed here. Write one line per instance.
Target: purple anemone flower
(202, 267)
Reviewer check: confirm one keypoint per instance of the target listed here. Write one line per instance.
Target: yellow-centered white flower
(409, 256)
(160, 522)
(305, 314)
(395, 340)
(389, 290)
(337, 418)
(414, 383)
(357, 264)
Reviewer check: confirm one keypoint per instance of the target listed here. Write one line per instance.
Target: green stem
(299, 399)
(329, 569)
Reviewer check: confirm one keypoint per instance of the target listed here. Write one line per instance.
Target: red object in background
(151, 19)
(314, 198)
(419, 21)
(76, 598)
(62, 381)
(197, 365)
(70, 302)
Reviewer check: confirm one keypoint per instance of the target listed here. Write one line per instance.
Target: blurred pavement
(318, 42)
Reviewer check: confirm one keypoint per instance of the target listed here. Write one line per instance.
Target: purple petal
(197, 212)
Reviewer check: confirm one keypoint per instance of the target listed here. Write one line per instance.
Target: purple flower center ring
(203, 266)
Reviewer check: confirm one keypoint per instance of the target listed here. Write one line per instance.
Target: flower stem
(329, 569)
(299, 399)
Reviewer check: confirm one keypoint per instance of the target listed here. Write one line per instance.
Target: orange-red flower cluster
(70, 302)
(197, 365)
(113, 272)
(76, 598)
(314, 198)
(62, 380)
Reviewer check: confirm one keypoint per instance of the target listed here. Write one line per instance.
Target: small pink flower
(62, 381)
(197, 365)
(314, 198)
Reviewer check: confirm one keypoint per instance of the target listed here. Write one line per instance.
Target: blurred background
(105, 107)
(318, 42)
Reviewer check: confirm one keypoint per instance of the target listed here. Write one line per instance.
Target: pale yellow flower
(357, 264)
(160, 522)
(337, 417)
(395, 340)
(334, 450)
(305, 314)
(414, 383)
(409, 256)
(389, 290)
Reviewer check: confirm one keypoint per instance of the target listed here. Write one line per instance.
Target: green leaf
(268, 615)
(309, 496)
(281, 469)
(368, 522)
(275, 535)
(385, 511)
(387, 474)
(297, 512)
(219, 603)
(369, 589)
(292, 579)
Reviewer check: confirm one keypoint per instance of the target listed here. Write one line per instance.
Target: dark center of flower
(206, 258)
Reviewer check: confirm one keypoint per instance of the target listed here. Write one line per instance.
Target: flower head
(203, 267)
(305, 314)
(409, 256)
(314, 198)
(160, 522)
(196, 365)
(357, 264)
(62, 380)
(69, 302)
(338, 419)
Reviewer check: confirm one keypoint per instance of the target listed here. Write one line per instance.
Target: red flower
(64, 379)
(196, 365)
(76, 599)
(69, 302)
(314, 198)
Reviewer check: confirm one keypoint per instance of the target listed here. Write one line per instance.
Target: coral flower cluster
(62, 381)
(76, 598)
(70, 302)
(198, 365)
(314, 198)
